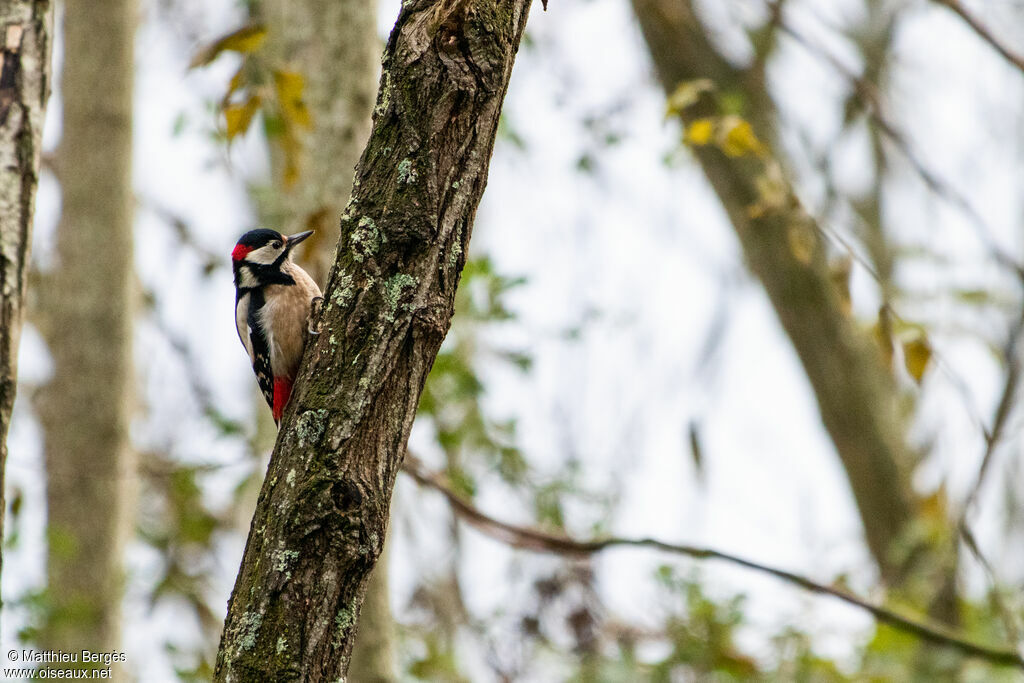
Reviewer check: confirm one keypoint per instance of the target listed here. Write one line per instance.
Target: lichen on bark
(445, 72)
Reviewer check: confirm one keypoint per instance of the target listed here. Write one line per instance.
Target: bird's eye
(276, 244)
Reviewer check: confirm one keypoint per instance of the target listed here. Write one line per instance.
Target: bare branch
(983, 32)
(527, 538)
(867, 93)
(1006, 402)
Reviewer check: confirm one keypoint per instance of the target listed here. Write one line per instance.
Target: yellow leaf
(245, 40)
(239, 116)
(236, 83)
(738, 138)
(882, 332)
(699, 132)
(289, 86)
(773, 192)
(917, 353)
(802, 242)
(936, 506)
(292, 153)
(839, 272)
(686, 95)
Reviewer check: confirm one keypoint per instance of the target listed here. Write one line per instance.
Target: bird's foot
(315, 309)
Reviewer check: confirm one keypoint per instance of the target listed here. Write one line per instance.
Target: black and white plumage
(273, 301)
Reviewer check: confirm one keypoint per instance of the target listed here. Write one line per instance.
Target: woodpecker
(273, 301)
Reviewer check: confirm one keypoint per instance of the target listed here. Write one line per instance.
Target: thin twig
(1003, 410)
(867, 93)
(982, 31)
(992, 438)
(540, 541)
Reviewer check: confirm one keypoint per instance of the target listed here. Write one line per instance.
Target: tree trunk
(322, 515)
(86, 318)
(373, 656)
(857, 397)
(24, 89)
(334, 45)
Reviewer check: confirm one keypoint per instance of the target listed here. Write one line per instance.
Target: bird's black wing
(260, 348)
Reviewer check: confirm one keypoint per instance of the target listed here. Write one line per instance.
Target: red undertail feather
(282, 392)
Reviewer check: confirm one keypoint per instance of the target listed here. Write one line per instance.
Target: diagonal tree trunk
(333, 44)
(86, 313)
(857, 397)
(26, 27)
(322, 515)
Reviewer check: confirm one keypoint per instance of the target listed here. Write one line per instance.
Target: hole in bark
(346, 495)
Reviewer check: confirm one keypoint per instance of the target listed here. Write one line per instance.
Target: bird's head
(259, 255)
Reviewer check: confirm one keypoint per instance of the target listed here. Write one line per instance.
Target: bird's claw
(315, 308)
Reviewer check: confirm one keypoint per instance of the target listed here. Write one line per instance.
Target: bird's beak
(292, 240)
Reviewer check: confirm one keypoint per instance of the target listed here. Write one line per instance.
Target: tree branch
(535, 540)
(322, 513)
(1012, 57)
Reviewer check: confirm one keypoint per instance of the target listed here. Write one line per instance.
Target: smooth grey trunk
(25, 38)
(86, 313)
(334, 45)
(321, 519)
(858, 399)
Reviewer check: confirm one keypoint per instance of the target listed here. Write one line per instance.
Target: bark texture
(856, 394)
(322, 515)
(334, 45)
(26, 28)
(86, 312)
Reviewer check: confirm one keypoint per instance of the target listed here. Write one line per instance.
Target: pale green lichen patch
(310, 426)
(365, 239)
(251, 622)
(406, 172)
(290, 479)
(284, 559)
(345, 290)
(454, 253)
(343, 621)
(282, 644)
(393, 289)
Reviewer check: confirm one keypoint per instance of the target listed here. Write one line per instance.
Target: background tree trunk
(333, 44)
(322, 515)
(24, 89)
(857, 396)
(86, 319)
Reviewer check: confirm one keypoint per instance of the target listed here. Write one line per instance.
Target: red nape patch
(240, 252)
(282, 392)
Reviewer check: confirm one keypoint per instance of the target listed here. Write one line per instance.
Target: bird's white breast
(284, 318)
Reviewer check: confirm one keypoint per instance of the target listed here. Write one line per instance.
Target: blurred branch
(867, 93)
(179, 225)
(1006, 402)
(527, 538)
(992, 439)
(957, 8)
